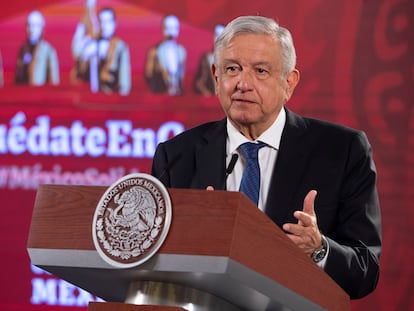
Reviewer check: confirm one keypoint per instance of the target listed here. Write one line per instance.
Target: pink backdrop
(356, 63)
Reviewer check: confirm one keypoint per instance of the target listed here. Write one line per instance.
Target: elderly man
(314, 179)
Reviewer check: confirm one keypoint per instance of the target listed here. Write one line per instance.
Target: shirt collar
(271, 136)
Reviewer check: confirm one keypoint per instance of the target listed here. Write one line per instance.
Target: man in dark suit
(317, 179)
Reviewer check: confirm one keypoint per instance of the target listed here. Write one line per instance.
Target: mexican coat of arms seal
(131, 220)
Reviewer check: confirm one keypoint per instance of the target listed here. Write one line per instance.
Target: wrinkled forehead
(251, 47)
(249, 39)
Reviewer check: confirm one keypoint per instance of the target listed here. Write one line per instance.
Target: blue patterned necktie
(250, 183)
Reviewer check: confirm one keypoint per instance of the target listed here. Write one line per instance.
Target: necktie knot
(251, 150)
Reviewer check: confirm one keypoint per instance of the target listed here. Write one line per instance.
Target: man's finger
(303, 218)
(309, 203)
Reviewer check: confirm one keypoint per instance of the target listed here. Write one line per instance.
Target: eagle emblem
(131, 220)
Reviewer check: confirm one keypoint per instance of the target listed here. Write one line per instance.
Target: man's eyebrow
(258, 63)
(262, 63)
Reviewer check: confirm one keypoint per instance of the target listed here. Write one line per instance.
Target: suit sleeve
(356, 241)
(160, 164)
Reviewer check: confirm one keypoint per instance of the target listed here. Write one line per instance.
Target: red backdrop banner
(357, 69)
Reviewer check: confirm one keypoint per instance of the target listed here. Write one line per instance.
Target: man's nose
(244, 82)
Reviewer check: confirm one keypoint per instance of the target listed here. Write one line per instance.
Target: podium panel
(219, 244)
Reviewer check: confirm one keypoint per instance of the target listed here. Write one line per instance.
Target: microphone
(230, 169)
(169, 166)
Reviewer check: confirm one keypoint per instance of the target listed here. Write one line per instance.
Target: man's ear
(292, 79)
(214, 73)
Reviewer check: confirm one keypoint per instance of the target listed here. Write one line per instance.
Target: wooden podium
(221, 250)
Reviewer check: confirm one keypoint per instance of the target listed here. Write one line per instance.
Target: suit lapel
(210, 158)
(288, 170)
(210, 166)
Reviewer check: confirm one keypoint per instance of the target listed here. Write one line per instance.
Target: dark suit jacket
(332, 159)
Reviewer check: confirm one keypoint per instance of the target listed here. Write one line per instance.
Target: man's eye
(261, 70)
(231, 68)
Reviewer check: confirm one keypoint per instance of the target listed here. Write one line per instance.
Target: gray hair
(259, 25)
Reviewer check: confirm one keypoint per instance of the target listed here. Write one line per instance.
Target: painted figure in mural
(315, 179)
(165, 62)
(102, 58)
(37, 60)
(203, 82)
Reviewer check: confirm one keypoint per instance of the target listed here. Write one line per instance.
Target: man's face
(34, 27)
(249, 82)
(171, 27)
(107, 23)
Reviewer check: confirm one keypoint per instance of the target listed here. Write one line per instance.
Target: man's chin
(245, 119)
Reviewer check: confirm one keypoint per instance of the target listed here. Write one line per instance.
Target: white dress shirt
(267, 156)
(267, 159)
